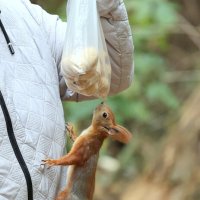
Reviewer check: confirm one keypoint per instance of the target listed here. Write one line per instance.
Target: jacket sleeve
(117, 32)
(119, 42)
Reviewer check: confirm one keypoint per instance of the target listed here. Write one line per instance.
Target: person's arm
(118, 35)
(118, 39)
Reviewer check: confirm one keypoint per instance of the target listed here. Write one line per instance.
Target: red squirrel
(83, 156)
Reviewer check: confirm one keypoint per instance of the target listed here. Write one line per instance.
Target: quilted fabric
(29, 82)
(30, 85)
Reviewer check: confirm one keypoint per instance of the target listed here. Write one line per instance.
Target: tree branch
(190, 30)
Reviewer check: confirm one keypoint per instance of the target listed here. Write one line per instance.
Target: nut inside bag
(85, 62)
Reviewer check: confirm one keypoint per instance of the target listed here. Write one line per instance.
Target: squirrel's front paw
(70, 129)
(50, 162)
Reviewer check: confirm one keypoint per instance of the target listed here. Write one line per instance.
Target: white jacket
(32, 87)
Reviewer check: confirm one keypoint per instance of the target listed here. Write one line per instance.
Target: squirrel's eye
(105, 115)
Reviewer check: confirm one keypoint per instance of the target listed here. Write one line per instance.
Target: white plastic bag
(85, 62)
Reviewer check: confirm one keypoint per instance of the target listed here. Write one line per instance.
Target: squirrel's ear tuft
(120, 134)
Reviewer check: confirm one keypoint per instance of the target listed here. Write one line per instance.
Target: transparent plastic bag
(85, 62)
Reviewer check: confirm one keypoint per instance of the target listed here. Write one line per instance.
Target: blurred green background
(166, 38)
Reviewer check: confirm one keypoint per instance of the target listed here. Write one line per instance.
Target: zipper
(10, 46)
(15, 147)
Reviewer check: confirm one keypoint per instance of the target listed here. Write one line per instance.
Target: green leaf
(139, 111)
(79, 111)
(149, 64)
(160, 92)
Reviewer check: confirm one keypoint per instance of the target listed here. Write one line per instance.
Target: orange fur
(83, 156)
